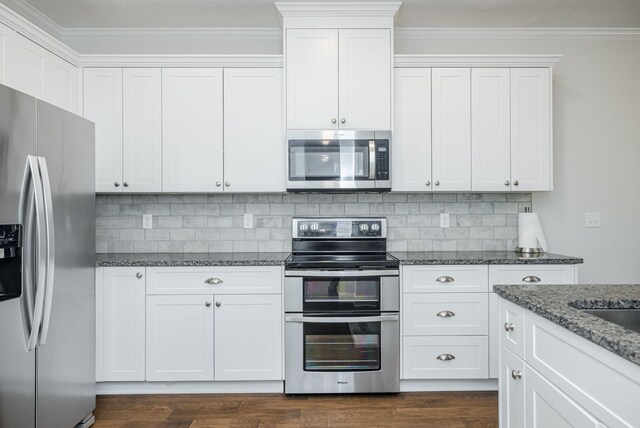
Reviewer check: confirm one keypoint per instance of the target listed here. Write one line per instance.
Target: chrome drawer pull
(530, 278)
(445, 279)
(508, 326)
(445, 357)
(516, 374)
(445, 314)
(213, 281)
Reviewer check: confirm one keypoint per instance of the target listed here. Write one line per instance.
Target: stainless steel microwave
(338, 161)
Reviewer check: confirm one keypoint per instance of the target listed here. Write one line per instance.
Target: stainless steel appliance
(341, 300)
(47, 265)
(338, 161)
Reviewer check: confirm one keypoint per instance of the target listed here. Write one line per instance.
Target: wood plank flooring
(424, 409)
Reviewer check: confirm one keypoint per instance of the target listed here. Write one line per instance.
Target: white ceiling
(413, 13)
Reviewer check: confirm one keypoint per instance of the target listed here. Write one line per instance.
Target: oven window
(350, 346)
(341, 293)
(332, 160)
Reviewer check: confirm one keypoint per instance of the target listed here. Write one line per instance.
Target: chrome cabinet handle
(116, 184)
(516, 374)
(445, 357)
(445, 314)
(531, 278)
(218, 183)
(125, 184)
(207, 304)
(515, 183)
(334, 120)
(445, 279)
(343, 120)
(226, 183)
(437, 183)
(428, 183)
(506, 183)
(508, 326)
(213, 281)
(139, 275)
(218, 304)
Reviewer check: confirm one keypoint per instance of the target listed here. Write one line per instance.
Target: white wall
(596, 148)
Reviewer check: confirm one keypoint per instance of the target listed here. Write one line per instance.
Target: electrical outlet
(591, 219)
(248, 221)
(444, 220)
(147, 221)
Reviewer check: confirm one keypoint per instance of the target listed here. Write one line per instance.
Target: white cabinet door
(494, 335)
(546, 406)
(64, 84)
(122, 330)
(179, 338)
(248, 337)
(490, 128)
(103, 106)
(531, 150)
(444, 314)
(6, 55)
(365, 79)
(192, 138)
(451, 144)
(32, 63)
(312, 78)
(512, 384)
(253, 130)
(142, 130)
(444, 357)
(411, 155)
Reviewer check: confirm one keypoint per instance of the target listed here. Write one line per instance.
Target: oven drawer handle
(342, 274)
(341, 320)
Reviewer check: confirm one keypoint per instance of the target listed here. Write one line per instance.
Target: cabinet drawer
(448, 279)
(527, 274)
(443, 314)
(445, 357)
(216, 280)
(512, 330)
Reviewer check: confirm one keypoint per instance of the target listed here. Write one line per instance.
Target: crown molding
(338, 9)
(135, 60)
(88, 34)
(401, 61)
(515, 33)
(39, 19)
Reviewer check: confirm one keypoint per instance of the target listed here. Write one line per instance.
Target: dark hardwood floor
(424, 409)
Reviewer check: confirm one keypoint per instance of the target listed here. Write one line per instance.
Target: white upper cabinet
(338, 78)
(63, 91)
(531, 129)
(312, 79)
(253, 130)
(103, 105)
(451, 116)
(6, 55)
(32, 65)
(490, 129)
(365, 79)
(192, 130)
(411, 152)
(142, 130)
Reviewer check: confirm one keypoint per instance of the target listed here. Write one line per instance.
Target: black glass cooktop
(341, 261)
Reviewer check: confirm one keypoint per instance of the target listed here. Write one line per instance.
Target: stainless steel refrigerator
(47, 262)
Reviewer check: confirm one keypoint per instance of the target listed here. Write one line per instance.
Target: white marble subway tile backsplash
(214, 223)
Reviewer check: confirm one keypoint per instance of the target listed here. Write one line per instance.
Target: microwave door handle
(341, 320)
(372, 160)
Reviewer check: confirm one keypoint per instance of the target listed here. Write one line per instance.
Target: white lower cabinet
(120, 324)
(511, 389)
(445, 357)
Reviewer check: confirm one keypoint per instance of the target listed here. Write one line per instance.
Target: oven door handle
(341, 320)
(340, 274)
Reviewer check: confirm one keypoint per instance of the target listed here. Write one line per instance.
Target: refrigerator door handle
(50, 249)
(32, 180)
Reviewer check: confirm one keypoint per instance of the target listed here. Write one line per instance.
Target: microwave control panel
(382, 160)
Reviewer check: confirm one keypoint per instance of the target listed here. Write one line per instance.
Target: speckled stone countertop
(481, 258)
(191, 259)
(562, 304)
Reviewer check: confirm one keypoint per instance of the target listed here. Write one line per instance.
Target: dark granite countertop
(480, 258)
(562, 304)
(190, 259)
(276, 259)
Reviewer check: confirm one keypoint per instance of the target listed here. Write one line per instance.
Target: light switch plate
(248, 221)
(592, 219)
(147, 221)
(444, 220)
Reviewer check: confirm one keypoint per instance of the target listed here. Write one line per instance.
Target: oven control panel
(332, 228)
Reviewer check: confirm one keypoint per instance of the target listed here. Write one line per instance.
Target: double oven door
(342, 331)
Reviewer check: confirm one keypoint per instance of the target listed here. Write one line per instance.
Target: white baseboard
(244, 387)
(448, 385)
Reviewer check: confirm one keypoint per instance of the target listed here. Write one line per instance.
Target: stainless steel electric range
(341, 299)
